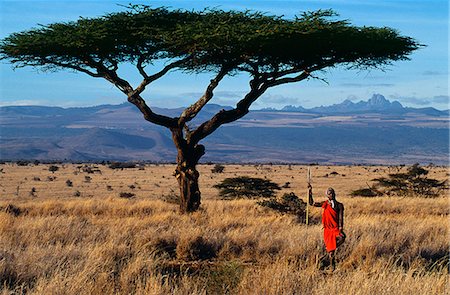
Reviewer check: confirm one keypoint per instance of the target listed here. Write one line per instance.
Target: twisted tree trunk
(186, 172)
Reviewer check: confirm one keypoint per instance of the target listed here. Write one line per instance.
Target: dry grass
(60, 244)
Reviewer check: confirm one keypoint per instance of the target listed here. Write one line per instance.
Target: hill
(375, 131)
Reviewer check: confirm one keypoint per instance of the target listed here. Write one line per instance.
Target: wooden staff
(308, 177)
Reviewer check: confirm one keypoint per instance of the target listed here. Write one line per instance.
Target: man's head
(330, 193)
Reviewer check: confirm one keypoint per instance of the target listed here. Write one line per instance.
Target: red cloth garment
(330, 226)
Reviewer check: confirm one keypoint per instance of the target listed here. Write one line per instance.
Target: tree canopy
(211, 38)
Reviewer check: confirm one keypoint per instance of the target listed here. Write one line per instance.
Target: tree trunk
(187, 176)
(186, 172)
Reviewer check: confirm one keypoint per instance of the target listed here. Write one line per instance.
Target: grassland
(85, 239)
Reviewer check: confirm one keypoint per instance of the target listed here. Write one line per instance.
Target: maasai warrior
(332, 221)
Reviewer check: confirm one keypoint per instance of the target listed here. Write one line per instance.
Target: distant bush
(126, 195)
(69, 183)
(218, 168)
(246, 187)
(289, 203)
(365, 192)
(122, 165)
(171, 198)
(53, 168)
(89, 169)
(33, 192)
(413, 182)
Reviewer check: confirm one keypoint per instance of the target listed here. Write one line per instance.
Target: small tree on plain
(244, 187)
(53, 168)
(269, 50)
(414, 182)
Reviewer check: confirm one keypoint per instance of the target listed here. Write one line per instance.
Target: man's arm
(310, 198)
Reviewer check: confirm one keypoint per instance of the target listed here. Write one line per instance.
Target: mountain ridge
(376, 131)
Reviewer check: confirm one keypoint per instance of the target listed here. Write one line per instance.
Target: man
(332, 221)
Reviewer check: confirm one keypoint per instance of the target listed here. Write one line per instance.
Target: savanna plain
(70, 232)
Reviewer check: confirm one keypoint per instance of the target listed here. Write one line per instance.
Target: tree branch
(74, 67)
(133, 95)
(229, 116)
(192, 111)
(140, 68)
(149, 79)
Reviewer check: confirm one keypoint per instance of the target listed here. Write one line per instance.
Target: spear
(308, 177)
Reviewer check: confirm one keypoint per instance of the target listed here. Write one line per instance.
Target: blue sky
(420, 82)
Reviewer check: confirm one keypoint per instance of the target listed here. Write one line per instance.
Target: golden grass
(62, 244)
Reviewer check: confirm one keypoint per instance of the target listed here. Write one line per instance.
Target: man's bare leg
(331, 256)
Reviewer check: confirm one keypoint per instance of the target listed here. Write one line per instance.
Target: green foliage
(122, 165)
(53, 168)
(289, 203)
(365, 192)
(246, 187)
(210, 38)
(412, 183)
(218, 168)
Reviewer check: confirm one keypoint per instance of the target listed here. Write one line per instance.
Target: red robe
(330, 226)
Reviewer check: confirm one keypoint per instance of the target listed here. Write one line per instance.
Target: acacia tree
(270, 50)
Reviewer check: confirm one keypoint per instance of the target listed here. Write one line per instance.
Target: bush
(53, 168)
(218, 168)
(171, 198)
(122, 165)
(365, 192)
(126, 195)
(246, 187)
(412, 183)
(289, 203)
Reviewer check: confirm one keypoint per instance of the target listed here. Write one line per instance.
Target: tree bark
(186, 172)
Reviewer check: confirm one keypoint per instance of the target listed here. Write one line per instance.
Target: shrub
(365, 192)
(33, 192)
(53, 168)
(126, 195)
(246, 187)
(171, 198)
(69, 183)
(218, 168)
(121, 165)
(289, 203)
(412, 183)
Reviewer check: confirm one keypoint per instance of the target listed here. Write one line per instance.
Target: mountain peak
(378, 100)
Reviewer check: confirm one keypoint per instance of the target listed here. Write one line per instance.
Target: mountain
(376, 104)
(376, 131)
